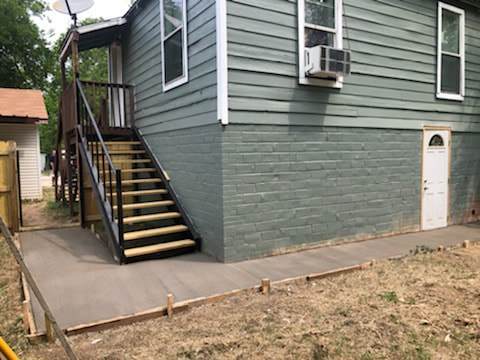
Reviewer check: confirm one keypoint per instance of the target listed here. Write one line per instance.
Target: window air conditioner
(327, 61)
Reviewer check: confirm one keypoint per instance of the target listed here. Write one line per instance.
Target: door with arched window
(436, 154)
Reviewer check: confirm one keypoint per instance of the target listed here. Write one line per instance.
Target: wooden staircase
(153, 225)
(122, 185)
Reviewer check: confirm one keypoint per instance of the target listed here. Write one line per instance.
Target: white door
(435, 179)
(117, 96)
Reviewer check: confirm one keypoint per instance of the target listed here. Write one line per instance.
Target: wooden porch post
(75, 70)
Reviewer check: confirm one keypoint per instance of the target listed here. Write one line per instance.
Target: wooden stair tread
(123, 152)
(152, 249)
(132, 161)
(151, 217)
(166, 230)
(146, 205)
(120, 142)
(135, 170)
(143, 192)
(139, 181)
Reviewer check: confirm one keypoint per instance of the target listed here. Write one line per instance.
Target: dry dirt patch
(11, 324)
(422, 307)
(46, 212)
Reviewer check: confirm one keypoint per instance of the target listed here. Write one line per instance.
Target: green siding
(393, 81)
(191, 104)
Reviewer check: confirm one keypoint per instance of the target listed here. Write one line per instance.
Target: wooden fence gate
(9, 192)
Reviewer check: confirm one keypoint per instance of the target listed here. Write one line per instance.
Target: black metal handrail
(92, 140)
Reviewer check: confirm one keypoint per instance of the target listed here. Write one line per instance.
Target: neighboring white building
(21, 113)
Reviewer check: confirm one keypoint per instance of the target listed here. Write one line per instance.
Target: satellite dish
(72, 7)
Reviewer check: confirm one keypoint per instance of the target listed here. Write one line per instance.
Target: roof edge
(22, 120)
(102, 25)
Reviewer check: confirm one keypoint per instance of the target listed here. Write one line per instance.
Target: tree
(93, 66)
(25, 59)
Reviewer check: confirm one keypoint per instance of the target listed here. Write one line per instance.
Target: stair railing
(107, 182)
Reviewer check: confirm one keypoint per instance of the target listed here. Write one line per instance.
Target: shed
(21, 113)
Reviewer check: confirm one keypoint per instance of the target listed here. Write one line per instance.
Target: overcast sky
(54, 24)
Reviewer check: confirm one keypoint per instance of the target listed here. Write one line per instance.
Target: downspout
(222, 62)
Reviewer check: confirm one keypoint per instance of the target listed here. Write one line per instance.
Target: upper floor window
(173, 14)
(451, 53)
(319, 23)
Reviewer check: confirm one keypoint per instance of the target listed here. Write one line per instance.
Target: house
(21, 113)
(283, 125)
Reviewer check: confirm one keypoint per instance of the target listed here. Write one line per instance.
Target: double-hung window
(173, 20)
(451, 53)
(319, 23)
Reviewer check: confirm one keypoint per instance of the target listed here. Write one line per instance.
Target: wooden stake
(49, 329)
(466, 244)
(170, 300)
(265, 286)
(26, 323)
(27, 303)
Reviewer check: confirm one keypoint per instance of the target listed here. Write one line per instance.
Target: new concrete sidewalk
(82, 284)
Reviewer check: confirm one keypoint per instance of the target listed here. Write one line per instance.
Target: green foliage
(93, 66)
(390, 296)
(25, 60)
(422, 249)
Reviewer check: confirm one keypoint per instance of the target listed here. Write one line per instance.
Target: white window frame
(338, 31)
(184, 78)
(461, 12)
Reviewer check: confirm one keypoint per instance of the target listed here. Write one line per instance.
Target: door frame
(449, 168)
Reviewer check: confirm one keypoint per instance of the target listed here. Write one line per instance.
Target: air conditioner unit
(327, 61)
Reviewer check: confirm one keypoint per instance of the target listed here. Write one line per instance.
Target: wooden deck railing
(111, 104)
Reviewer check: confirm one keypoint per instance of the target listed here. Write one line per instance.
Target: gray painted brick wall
(192, 158)
(294, 186)
(465, 178)
(256, 190)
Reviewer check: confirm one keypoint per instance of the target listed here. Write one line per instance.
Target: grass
(390, 296)
(421, 307)
(57, 210)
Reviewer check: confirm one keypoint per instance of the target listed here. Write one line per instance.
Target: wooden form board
(9, 197)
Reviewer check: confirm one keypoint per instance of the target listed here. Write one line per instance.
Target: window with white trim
(451, 53)
(173, 14)
(319, 23)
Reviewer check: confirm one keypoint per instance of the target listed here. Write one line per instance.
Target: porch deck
(82, 283)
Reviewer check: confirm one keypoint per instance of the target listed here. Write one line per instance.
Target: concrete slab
(82, 284)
